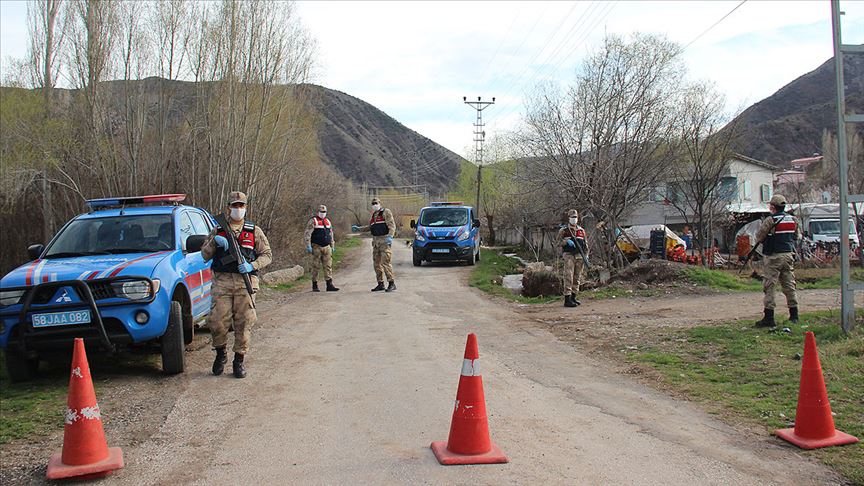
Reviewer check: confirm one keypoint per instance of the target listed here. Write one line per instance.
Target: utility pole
(847, 288)
(479, 136)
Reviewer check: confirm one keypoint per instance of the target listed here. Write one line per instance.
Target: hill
(364, 144)
(789, 124)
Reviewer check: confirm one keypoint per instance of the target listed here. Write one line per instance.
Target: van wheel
(173, 347)
(417, 261)
(19, 368)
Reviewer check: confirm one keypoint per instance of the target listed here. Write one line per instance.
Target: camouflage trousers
(779, 267)
(382, 255)
(322, 256)
(231, 303)
(573, 267)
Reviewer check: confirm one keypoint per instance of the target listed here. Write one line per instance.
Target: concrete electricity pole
(847, 287)
(479, 136)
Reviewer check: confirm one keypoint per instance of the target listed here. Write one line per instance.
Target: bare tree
(46, 24)
(703, 152)
(603, 143)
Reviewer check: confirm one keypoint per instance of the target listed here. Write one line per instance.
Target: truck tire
(477, 258)
(417, 261)
(173, 347)
(20, 368)
(470, 260)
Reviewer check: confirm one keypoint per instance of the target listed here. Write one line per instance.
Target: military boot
(768, 320)
(379, 287)
(391, 286)
(239, 368)
(315, 286)
(219, 362)
(793, 315)
(331, 287)
(569, 301)
(573, 299)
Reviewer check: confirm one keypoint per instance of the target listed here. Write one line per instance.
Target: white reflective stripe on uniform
(470, 367)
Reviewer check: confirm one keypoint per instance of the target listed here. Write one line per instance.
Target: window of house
(728, 189)
(765, 192)
(748, 190)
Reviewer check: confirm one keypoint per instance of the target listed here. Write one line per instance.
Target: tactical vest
(378, 225)
(322, 235)
(782, 238)
(578, 237)
(223, 261)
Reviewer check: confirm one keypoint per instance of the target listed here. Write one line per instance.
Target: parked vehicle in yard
(125, 274)
(446, 231)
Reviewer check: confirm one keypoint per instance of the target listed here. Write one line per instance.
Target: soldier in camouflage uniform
(321, 243)
(571, 239)
(231, 301)
(383, 229)
(779, 233)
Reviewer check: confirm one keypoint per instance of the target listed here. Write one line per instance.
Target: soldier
(778, 233)
(321, 243)
(571, 239)
(383, 229)
(231, 301)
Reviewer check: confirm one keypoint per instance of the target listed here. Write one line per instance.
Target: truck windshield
(123, 234)
(444, 217)
(829, 227)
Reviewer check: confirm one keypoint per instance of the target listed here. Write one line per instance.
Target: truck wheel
(470, 260)
(173, 348)
(417, 261)
(19, 367)
(477, 258)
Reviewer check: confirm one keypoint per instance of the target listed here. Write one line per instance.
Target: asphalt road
(351, 388)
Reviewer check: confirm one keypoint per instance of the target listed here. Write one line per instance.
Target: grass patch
(730, 280)
(487, 273)
(753, 375)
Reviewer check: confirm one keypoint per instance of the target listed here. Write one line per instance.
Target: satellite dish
(826, 197)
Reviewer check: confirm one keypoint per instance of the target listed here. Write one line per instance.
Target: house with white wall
(747, 186)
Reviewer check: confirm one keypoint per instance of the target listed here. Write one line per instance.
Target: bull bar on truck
(64, 333)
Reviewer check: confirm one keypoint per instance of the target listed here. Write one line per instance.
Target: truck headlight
(132, 289)
(11, 297)
(464, 236)
(419, 237)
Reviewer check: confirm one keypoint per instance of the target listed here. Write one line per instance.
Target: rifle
(234, 255)
(581, 252)
(753, 250)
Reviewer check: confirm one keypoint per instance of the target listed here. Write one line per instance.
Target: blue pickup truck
(446, 231)
(127, 273)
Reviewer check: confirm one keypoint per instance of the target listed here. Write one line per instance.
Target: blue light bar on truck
(447, 203)
(128, 201)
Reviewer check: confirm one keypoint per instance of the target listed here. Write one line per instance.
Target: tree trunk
(489, 223)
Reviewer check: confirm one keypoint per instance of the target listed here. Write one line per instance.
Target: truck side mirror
(194, 243)
(475, 223)
(413, 224)
(34, 251)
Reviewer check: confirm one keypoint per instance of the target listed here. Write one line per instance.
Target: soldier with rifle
(574, 248)
(238, 249)
(778, 235)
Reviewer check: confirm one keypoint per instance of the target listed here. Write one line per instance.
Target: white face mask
(238, 213)
(376, 207)
(322, 215)
(573, 221)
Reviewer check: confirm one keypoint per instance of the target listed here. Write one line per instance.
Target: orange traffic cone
(85, 452)
(469, 441)
(814, 424)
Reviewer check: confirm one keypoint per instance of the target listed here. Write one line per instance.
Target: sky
(416, 60)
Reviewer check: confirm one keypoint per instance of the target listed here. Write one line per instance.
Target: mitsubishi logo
(64, 297)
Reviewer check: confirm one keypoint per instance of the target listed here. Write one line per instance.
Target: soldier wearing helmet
(571, 239)
(778, 233)
(321, 244)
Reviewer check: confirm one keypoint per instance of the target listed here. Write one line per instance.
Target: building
(747, 186)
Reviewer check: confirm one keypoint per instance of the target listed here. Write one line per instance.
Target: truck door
(197, 272)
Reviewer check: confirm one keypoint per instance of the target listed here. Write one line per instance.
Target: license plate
(67, 318)
(440, 250)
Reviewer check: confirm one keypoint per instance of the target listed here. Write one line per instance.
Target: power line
(713, 25)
